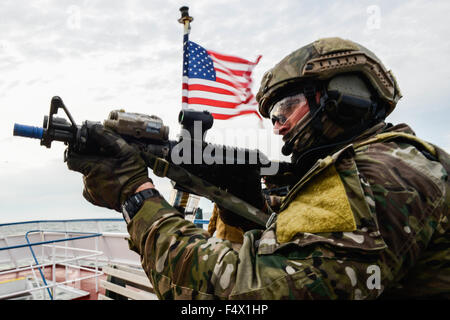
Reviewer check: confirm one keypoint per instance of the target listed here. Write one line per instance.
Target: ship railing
(113, 241)
(54, 259)
(126, 283)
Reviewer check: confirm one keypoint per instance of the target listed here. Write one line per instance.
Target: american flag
(218, 83)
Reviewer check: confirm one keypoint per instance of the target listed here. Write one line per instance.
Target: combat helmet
(355, 82)
(322, 60)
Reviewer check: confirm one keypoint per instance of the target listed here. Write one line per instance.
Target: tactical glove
(113, 172)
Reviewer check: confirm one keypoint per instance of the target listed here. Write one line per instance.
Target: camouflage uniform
(398, 191)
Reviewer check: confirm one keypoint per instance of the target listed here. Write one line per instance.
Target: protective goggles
(283, 109)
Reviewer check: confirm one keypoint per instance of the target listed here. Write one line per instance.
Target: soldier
(366, 215)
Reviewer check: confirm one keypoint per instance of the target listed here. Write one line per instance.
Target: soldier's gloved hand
(113, 172)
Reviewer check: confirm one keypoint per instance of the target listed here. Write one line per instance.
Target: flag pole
(186, 20)
(180, 198)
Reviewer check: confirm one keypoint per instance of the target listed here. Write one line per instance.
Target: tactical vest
(318, 206)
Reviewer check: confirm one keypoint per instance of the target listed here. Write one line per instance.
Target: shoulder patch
(322, 206)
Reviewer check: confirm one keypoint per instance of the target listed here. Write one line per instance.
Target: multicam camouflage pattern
(322, 60)
(400, 198)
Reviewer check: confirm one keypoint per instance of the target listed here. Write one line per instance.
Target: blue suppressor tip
(28, 131)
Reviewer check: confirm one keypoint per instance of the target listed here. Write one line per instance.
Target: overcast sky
(100, 55)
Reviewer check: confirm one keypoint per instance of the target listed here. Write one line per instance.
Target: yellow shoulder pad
(321, 206)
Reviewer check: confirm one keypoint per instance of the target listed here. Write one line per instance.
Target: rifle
(208, 175)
